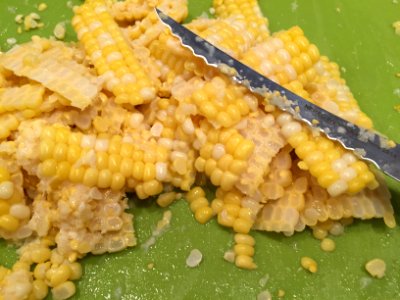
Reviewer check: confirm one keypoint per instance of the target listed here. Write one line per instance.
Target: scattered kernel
(396, 26)
(59, 31)
(309, 264)
(194, 259)
(281, 293)
(150, 266)
(328, 245)
(229, 256)
(376, 267)
(42, 6)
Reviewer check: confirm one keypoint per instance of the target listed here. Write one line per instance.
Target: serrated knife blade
(368, 145)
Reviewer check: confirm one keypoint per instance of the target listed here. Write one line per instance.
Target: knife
(366, 144)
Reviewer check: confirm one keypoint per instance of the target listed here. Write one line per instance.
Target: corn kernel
(309, 264)
(9, 223)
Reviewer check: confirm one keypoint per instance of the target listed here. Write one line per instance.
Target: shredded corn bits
(127, 109)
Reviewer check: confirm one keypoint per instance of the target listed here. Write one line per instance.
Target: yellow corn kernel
(104, 179)
(166, 199)
(118, 182)
(138, 170)
(41, 269)
(149, 172)
(217, 205)
(203, 214)
(9, 223)
(195, 193)
(243, 249)
(244, 239)
(152, 187)
(114, 162)
(102, 160)
(60, 275)
(376, 267)
(91, 176)
(40, 255)
(77, 174)
(328, 245)
(225, 219)
(3, 272)
(245, 262)
(242, 225)
(4, 174)
(198, 203)
(4, 207)
(20, 265)
(309, 264)
(39, 289)
(126, 167)
(76, 271)
(244, 150)
(48, 168)
(62, 170)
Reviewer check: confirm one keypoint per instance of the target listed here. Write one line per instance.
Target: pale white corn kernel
(88, 141)
(337, 188)
(188, 126)
(20, 211)
(157, 129)
(136, 119)
(101, 145)
(218, 151)
(6, 190)
(194, 259)
(161, 171)
(291, 128)
(284, 118)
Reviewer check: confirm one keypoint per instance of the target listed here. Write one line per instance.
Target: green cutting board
(359, 36)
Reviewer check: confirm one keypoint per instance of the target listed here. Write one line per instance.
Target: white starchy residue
(263, 280)
(264, 295)
(396, 92)
(365, 281)
(294, 6)
(162, 225)
(11, 41)
(194, 259)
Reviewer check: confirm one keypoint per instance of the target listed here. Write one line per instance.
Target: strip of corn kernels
(14, 212)
(52, 64)
(230, 36)
(223, 155)
(111, 54)
(329, 90)
(335, 168)
(247, 11)
(144, 31)
(287, 57)
(320, 206)
(233, 212)
(220, 101)
(28, 96)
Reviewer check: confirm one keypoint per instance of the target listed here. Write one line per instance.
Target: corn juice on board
(163, 265)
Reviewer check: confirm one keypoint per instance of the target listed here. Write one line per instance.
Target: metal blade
(366, 144)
